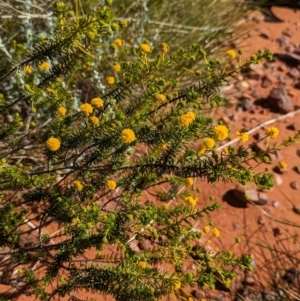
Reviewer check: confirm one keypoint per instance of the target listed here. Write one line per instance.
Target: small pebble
(296, 209)
(294, 185)
(297, 169)
(277, 179)
(235, 226)
(261, 220)
(275, 204)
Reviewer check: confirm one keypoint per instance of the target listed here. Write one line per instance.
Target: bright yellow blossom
(164, 146)
(176, 285)
(117, 67)
(272, 132)
(160, 97)
(110, 80)
(226, 151)
(206, 229)
(53, 144)
(145, 48)
(97, 102)
(243, 136)
(128, 136)
(215, 232)
(94, 120)
(231, 53)
(86, 108)
(28, 69)
(190, 201)
(142, 264)
(78, 185)
(187, 118)
(282, 165)
(44, 66)
(164, 47)
(209, 143)
(118, 42)
(221, 132)
(62, 111)
(189, 181)
(201, 149)
(111, 184)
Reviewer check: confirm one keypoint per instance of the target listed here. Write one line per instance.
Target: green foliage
(71, 161)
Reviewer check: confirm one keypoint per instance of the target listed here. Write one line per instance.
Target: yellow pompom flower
(190, 299)
(209, 143)
(190, 201)
(44, 66)
(78, 185)
(164, 146)
(145, 48)
(176, 284)
(53, 144)
(94, 120)
(28, 69)
(110, 80)
(97, 102)
(62, 111)
(272, 132)
(221, 132)
(187, 118)
(160, 97)
(118, 42)
(215, 232)
(117, 67)
(231, 53)
(201, 149)
(282, 165)
(142, 264)
(189, 181)
(206, 229)
(127, 136)
(243, 136)
(86, 108)
(111, 184)
(226, 150)
(164, 47)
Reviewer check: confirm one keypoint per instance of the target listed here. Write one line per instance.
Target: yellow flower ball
(164, 146)
(226, 150)
(282, 165)
(272, 132)
(189, 181)
(128, 136)
(62, 111)
(142, 264)
(97, 102)
(118, 42)
(44, 66)
(117, 67)
(215, 232)
(145, 48)
(190, 201)
(221, 132)
(78, 185)
(86, 108)
(164, 47)
(187, 118)
(176, 285)
(209, 143)
(206, 229)
(111, 184)
(53, 144)
(161, 97)
(94, 120)
(231, 53)
(28, 69)
(243, 136)
(110, 80)
(201, 149)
